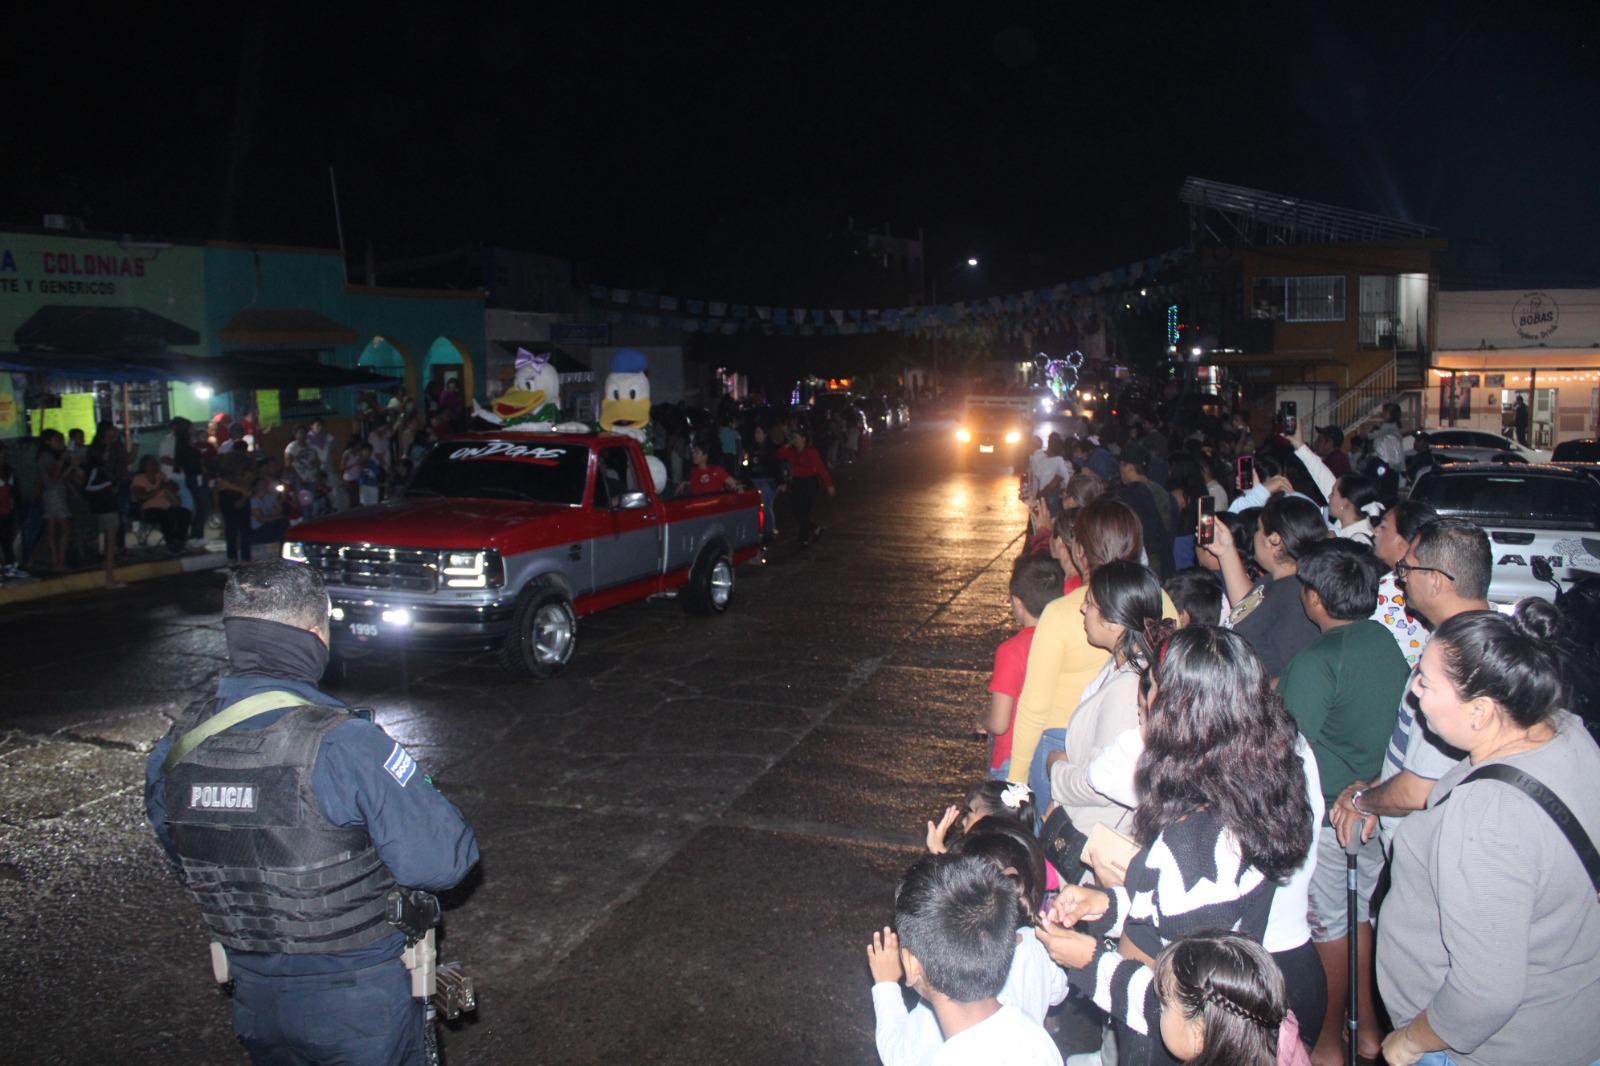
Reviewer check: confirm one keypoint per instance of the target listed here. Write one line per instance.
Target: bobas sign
(1536, 316)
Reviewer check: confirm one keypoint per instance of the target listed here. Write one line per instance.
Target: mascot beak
(517, 401)
(624, 413)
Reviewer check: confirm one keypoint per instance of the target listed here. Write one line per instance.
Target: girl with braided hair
(1222, 1002)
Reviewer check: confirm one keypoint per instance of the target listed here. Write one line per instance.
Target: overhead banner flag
(1056, 308)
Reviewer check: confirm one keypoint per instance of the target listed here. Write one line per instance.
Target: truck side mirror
(1542, 569)
(634, 501)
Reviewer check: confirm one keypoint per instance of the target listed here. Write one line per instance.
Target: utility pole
(338, 222)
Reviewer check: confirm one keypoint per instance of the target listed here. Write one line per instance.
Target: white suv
(1528, 511)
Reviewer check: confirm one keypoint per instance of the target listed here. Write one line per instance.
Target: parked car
(1577, 451)
(1474, 446)
(1529, 511)
(510, 538)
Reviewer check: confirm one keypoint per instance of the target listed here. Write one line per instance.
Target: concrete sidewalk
(22, 590)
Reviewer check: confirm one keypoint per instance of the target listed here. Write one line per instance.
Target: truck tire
(544, 634)
(710, 587)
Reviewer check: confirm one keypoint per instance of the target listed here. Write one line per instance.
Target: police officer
(291, 820)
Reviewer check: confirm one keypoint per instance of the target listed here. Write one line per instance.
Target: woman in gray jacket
(1489, 942)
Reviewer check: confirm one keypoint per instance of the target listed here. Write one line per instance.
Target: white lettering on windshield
(506, 450)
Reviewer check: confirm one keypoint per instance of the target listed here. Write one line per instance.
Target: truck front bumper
(374, 622)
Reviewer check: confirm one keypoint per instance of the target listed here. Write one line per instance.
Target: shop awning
(1519, 359)
(223, 373)
(284, 327)
(80, 367)
(90, 330)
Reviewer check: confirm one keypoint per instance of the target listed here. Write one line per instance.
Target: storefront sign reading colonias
(38, 271)
(45, 278)
(31, 266)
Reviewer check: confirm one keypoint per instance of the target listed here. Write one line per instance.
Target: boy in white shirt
(957, 918)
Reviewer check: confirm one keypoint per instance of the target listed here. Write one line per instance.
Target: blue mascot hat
(629, 361)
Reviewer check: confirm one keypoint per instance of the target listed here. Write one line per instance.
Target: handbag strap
(1558, 811)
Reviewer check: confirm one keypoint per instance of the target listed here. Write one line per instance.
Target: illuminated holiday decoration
(1061, 375)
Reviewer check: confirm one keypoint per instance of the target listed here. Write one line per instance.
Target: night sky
(722, 154)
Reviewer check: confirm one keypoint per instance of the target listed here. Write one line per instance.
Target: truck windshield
(504, 470)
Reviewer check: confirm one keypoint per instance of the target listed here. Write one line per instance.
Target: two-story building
(1297, 300)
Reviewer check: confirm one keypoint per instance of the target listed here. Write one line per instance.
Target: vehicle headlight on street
(1013, 437)
(471, 570)
(963, 435)
(397, 616)
(294, 551)
(336, 614)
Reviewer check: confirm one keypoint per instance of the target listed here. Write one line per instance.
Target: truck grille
(364, 566)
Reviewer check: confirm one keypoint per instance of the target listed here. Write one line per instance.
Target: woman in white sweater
(1122, 607)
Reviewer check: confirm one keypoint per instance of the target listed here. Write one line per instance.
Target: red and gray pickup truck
(509, 538)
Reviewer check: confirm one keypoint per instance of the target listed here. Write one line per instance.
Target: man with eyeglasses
(1445, 572)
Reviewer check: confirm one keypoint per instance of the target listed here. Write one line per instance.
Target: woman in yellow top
(1062, 662)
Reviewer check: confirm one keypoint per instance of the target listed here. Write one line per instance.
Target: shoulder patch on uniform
(400, 765)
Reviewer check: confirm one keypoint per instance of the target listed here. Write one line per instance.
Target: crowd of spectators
(66, 503)
(1205, 732)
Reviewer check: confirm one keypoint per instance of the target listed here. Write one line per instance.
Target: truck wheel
(544, 634)
(711, 583)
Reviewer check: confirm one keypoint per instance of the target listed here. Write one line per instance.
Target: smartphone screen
(1208, 520)
(1247, 472)
(1288, 410)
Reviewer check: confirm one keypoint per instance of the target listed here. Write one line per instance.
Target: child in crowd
(1035, 581)
(1223, 1001)
(322, 499)
(1039, 523)
(986, 799)
(1197, 596)
(369, 477)
(1034, 983)
(956, 917)
(1061, 549)
(399, 477)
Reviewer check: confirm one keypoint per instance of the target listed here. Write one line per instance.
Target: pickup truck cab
(1530, 511)
(509, 538)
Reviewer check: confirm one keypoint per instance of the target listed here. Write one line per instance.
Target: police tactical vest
(270, 872)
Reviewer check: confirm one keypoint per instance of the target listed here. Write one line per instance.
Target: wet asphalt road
(687, 839)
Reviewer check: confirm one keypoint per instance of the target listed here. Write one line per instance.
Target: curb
(90, 580)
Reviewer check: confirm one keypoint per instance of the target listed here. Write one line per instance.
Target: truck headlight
(964, 435)
(472, 570)
(1013, 437)
(294, 551)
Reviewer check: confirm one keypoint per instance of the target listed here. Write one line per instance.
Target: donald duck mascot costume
(625, 406)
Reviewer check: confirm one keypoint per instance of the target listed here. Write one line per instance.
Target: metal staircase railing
(1351, 408)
